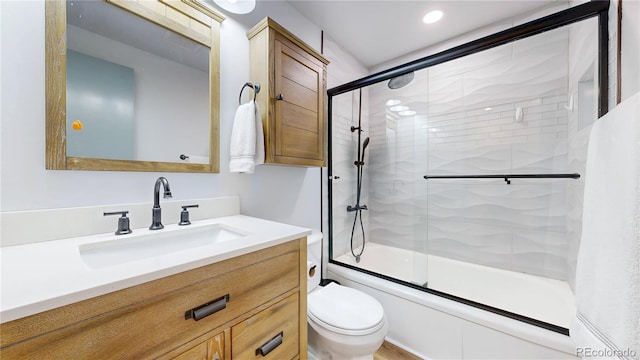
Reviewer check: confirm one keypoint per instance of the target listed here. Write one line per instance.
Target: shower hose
(358, 211)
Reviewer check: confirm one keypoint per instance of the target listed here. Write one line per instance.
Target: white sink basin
(127, 248)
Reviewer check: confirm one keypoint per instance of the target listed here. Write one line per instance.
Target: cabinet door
(270, 334)
(299, 108)
(199, 352)
(212, 349)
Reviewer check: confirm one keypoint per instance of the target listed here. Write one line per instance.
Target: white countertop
(43, 276)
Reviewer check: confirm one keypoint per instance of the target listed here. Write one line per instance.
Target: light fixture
(392, 102)
(407, 113)
(237, 6)
(432, 17)
(487, 109)
(399, 108)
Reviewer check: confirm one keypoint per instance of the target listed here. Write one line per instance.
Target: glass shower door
(390, 232)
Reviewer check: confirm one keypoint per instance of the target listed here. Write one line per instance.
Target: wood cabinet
(292, 98)
(212, 349)
(273, 331)
(240, 304)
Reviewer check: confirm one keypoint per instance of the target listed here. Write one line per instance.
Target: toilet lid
(344, 308)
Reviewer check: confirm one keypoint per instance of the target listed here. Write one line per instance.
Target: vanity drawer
(148, 328)
(270, 334)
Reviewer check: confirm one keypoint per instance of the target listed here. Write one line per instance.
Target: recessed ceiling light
(393, 102)
(237, 6)
(432, 17)
(399, 108)
(407, 113)
(487, 108)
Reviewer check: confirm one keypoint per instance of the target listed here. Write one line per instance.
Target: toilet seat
(360, 314)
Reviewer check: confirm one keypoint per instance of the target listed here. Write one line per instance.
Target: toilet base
(324, 345)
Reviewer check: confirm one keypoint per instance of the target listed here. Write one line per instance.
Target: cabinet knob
(279, 97)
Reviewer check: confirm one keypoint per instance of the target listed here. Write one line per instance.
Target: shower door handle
(279, 97)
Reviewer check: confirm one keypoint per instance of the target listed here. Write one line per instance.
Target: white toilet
(344, 323)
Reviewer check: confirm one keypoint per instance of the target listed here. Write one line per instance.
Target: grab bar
(506, 177)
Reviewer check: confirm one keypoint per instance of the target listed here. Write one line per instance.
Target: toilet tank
(314, 259)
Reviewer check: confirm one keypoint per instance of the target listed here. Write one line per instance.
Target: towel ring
(254, 86)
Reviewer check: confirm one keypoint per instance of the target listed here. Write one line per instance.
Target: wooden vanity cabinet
(212, 349)
(260, 300)
(293, 79)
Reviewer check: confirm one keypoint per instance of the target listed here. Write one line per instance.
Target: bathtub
(435, 327)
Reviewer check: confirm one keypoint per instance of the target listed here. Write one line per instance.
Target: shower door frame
(594, 8)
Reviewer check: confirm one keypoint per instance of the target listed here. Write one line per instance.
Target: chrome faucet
(156, 212)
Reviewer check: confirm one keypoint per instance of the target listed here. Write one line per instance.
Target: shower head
(364, 146)
(401, 80)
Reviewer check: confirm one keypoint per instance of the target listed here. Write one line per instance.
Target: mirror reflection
(134, 90)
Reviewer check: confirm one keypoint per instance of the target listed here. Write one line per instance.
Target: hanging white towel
(607, 323)
(247, 139)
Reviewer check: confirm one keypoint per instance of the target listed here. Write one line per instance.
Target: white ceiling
(376, 31)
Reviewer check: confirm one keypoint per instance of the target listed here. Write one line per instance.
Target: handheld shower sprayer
(364, 146)
(360, 160)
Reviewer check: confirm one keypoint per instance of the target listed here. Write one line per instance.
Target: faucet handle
(184, 214)
(123, 222)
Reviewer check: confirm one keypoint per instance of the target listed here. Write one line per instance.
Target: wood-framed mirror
(132, 85)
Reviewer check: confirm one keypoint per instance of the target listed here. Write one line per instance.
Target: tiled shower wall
(544, 118)
(531, 226)
(466, 124)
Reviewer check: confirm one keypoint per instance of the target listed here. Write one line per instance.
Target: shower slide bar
(506, 177)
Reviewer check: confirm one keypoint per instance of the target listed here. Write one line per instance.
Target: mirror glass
(134, 90)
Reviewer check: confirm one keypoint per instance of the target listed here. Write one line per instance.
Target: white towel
(247, 139)
(607, 322)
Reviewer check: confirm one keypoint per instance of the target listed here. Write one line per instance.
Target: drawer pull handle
(270, 345)
(207, 309)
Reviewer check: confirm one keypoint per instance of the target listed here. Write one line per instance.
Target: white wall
(285, 194)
